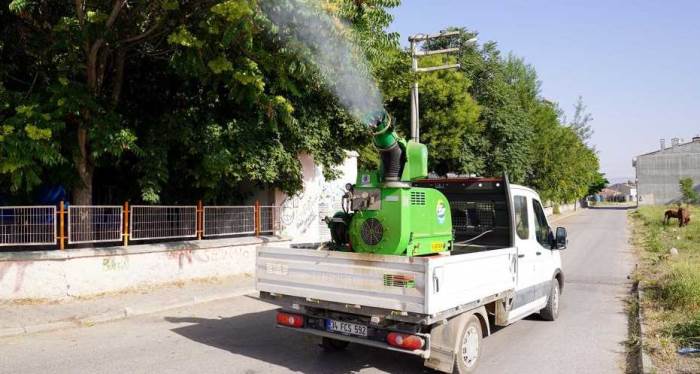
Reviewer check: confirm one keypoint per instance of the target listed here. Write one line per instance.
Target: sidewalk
(17, 318)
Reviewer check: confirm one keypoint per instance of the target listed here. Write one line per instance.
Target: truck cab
(503, 265)
(539, 263)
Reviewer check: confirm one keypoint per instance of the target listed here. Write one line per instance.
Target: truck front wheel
(551, 311)
(469, 347)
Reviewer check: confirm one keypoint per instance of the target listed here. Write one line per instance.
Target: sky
(635, 63)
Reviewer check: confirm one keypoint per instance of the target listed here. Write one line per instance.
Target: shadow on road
(254, 335)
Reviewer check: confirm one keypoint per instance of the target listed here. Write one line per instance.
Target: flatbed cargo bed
(428, 285)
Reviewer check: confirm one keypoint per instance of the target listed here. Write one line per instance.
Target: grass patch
(679, 287)
(671, 283)
(688, 332)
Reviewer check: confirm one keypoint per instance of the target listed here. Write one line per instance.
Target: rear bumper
(371, 343)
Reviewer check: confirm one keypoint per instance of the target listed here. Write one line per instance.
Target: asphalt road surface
(237, 336)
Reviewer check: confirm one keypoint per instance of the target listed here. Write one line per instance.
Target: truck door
(526, 278)
(544, 257)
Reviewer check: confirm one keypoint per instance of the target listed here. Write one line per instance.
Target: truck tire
(469, 347)
(333, 345)
(551, 311)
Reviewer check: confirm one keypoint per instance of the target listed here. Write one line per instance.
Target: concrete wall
(302, 214)
(563, 208)
(89, 271)
(658, 173)
(83, 272)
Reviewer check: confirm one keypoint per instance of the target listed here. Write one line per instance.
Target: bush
(690, 196)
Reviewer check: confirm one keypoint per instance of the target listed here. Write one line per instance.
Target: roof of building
(621, 186)
(608, 192)
(695, 140)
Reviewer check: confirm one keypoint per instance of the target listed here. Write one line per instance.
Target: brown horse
(682, 214)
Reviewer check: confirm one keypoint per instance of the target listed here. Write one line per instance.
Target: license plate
(346, 328)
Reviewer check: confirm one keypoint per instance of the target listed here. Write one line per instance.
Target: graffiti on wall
(115, 263)
(184, 255)
(302, 214)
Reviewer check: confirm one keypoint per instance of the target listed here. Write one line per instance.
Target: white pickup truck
(504, 266)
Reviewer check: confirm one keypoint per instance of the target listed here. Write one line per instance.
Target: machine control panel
(366, 199)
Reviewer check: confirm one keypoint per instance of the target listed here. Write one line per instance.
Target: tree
(76, 55)
(581, 121)
(599, 182)
(168, 100)
(448, 118)
(563, 167)
(507, 134)
(690, 196)
(515, 130)
(171, 100)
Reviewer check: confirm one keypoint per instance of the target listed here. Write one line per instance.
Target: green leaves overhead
(489, 118)
(185, 38)
(168, 101)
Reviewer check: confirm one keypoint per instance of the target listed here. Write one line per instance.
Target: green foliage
(514, 130)
(681, 286)
(672, 282)
(208, 99)
(687, 332)
(688, 191)
(581, 121)
(448, 119)
(599, 182)
(209, 103)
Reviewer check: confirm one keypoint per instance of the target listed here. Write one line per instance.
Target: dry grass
(672, 286)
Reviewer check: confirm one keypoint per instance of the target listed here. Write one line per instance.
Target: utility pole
(415, 54)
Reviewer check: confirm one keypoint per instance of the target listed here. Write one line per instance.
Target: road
(237, 336)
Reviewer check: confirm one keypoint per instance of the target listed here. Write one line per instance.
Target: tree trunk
(82, 191)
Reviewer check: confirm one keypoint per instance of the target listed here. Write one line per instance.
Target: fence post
(200, 219)
(125, 234)
(61, 226)
(257, 217)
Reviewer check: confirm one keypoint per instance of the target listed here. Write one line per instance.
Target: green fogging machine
(382, 212)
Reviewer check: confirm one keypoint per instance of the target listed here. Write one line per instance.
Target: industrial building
(659, 172)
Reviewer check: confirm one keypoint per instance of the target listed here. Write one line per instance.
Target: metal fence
(27, 225)
(162, 222)
(94, 224)
(228, 220)
(269, 219)
(47, 225)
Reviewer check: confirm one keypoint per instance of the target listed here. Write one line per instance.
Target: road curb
(119, 314)
(646, 366)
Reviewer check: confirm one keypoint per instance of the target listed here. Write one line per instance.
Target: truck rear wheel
(469, 347)
(551, 311)
(332, 345)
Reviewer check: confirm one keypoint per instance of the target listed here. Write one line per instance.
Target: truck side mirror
(560, 238)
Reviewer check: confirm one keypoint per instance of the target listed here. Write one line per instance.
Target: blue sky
(636, 64)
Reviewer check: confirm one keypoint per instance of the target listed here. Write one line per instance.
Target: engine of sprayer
(383, 213)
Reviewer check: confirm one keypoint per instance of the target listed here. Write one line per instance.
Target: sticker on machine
(441, 212)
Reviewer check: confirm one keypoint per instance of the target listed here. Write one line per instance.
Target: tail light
(405, 341)
(289, 319)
